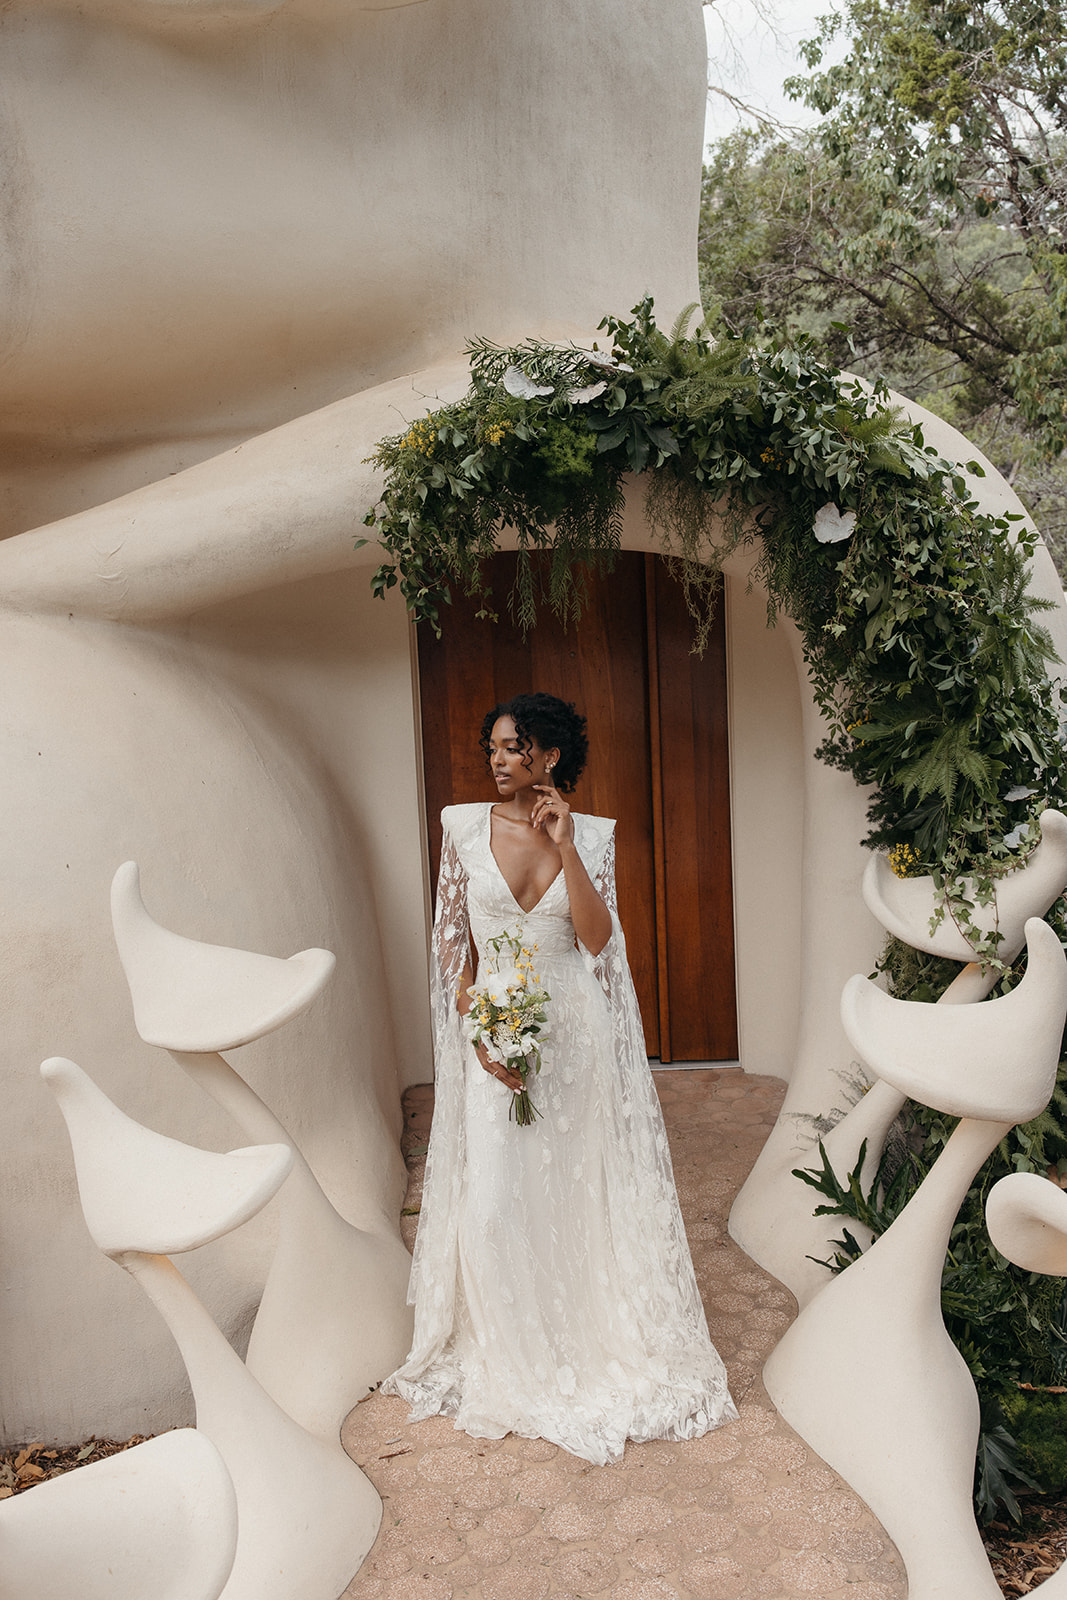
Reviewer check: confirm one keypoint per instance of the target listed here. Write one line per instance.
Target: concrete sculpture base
(333, 1319)
(307, 1515)
(158, 1522)
(869, 1377)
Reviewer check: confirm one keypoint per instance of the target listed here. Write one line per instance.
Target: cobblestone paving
(745, 1512)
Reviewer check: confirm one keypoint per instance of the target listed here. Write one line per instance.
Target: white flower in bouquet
(508, 1016)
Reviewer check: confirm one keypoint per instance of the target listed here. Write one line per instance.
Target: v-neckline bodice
(527, 911)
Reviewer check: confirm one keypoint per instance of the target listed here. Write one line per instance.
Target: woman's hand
(497, 1069)
(552, 813)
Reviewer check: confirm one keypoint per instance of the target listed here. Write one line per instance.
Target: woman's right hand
(497, 1069)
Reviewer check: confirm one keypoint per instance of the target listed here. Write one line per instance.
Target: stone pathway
(748, 1511)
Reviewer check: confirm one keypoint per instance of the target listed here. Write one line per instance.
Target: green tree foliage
(925, 212)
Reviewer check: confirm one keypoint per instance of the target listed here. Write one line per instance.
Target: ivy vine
(918, 626)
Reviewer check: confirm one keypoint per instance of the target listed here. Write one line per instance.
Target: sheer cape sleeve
(641, 1190)
(432, 1285)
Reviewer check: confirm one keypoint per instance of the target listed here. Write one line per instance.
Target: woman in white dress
(553, 1289)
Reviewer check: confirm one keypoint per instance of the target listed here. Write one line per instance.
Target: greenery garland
(917, 624)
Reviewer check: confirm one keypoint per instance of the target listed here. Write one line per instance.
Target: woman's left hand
(552, 813)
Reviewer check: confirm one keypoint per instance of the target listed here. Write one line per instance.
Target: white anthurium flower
(1020, 792)
(833, 525)
(582, 397)
(601, 358)
(1015, 838)
(523, 388)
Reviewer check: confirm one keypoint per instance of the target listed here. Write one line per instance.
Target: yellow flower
(496, 432)
(771, 458)
(420, 437)
(905, 861)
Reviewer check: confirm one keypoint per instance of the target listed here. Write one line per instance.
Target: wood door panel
(699, 929)
(599, 665)
(603, 665)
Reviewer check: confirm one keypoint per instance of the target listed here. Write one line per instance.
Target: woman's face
(514, 766)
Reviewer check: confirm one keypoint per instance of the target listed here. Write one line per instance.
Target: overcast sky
(751, 59)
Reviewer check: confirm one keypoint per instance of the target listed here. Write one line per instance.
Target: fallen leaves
(1023, 1557)
(34, 1463)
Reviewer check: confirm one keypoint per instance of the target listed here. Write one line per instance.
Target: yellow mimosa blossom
(421, 437)
(905, 861)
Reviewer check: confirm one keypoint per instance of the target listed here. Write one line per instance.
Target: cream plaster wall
(767, 827)
(217, 216)
(339, 666)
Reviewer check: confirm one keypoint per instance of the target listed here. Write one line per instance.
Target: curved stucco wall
(218, 216)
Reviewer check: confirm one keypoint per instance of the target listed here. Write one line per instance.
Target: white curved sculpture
(306, 1514)
(1026, 1215)
(799, 1241)
(208, 335)
(142, 1191)
(968, 1061)
(199, 997)
(158, 1520)
(867, 1374)
(904, 906)
(313, 1347)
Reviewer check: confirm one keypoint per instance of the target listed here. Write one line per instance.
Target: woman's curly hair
(553, 724)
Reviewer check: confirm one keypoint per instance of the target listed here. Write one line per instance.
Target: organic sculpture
(311, 1348)
(1027, 1220)
(867, 1374)
(306, 1514)
(157, 1520)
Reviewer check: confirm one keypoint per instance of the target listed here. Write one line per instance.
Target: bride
(553, 1288)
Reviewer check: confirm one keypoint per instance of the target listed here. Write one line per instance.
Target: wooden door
(658, 764)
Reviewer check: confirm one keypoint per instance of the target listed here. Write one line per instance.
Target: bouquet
(508, 1016)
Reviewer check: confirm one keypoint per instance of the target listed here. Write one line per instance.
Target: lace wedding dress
(553, 1288)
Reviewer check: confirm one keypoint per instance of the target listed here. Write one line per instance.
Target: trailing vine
(918, 626)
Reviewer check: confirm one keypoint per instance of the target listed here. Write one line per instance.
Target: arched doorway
(658, 763)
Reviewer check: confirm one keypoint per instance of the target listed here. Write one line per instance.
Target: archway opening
(659, 764)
